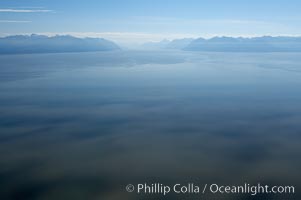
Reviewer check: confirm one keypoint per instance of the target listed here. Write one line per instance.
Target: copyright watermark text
(192, 188)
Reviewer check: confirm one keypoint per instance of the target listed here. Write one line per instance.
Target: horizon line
(98, 35)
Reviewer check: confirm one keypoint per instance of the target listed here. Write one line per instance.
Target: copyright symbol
(130, 188)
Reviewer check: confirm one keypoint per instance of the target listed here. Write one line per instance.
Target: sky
(139, 21)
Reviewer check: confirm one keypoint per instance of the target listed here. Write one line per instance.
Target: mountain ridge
(23, 44)
(241, 44)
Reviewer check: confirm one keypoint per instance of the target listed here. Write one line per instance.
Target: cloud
(168, 21)
(25, 10)
(14, 21)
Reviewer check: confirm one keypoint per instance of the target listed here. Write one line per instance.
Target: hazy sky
(151, 20)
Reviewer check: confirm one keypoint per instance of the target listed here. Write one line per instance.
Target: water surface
(84, 125)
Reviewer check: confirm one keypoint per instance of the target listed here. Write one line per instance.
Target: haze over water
(84, 125)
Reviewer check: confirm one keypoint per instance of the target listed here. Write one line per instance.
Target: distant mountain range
(231, 44)
(57, 44)
(256, 44)
(43, 44)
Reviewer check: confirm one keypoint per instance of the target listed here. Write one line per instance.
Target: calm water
(82, 126)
